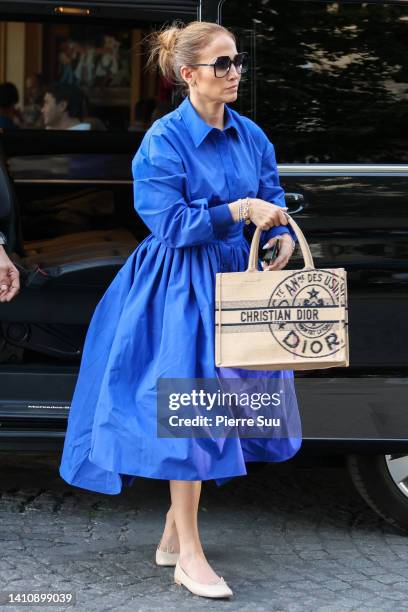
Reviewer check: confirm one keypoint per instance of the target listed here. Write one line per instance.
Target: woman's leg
(169, 541)
(185, 497)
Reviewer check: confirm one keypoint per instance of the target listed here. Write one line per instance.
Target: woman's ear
(187, 74)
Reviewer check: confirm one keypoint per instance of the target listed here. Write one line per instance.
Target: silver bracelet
(243, 211)
(239, 209)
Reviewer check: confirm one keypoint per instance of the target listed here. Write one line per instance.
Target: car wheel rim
(398, 468)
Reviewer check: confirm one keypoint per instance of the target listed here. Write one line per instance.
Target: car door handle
(295, 202)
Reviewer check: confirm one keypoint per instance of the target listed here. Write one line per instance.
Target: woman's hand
(265, 214)
(9, 277)
(286, 248)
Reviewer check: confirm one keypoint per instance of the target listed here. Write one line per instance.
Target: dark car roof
(101, 9)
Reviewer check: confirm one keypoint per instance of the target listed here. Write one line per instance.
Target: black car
(328, 82)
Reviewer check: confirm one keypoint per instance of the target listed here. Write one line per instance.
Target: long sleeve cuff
(277, 231)
(221, 217)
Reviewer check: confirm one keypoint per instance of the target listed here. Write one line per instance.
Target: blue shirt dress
(156, 318)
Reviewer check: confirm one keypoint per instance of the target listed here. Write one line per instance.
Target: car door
(329, 85)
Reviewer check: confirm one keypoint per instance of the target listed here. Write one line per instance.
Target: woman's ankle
(191, 554)
(170, 520)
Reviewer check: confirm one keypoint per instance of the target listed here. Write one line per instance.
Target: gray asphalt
(285, 538)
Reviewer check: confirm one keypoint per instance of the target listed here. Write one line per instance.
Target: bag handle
(253, 254)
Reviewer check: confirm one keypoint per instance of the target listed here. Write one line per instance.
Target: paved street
(285, 538)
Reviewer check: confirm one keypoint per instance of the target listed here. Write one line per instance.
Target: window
(78, 76)
(329, 80)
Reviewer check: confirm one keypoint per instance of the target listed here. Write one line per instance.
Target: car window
(328, 80)
(79, 77)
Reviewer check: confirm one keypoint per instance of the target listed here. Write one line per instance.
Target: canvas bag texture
(283, 319)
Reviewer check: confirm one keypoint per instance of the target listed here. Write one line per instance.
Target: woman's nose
(233, 71)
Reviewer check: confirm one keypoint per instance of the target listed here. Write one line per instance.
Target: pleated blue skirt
(156, 319)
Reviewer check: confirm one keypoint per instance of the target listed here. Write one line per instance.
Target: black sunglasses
(223, 63)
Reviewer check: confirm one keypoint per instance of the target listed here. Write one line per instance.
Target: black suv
(328, 82)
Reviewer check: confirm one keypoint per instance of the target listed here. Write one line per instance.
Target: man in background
(9, 115)
(63, 108)
(34, 95)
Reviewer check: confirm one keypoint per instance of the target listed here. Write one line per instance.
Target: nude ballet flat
(219, 589)
(164, 557)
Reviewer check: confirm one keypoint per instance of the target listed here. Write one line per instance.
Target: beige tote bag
(283, 319)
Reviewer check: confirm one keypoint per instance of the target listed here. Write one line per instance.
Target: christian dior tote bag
(283, 319)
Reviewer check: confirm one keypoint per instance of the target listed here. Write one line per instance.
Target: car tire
(379, 480)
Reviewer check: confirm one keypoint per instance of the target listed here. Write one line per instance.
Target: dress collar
(197, 127)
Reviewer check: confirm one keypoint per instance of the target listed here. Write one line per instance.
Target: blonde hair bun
(180, 45)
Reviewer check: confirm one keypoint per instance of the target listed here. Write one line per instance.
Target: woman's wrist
(234, 208)
(241, 209)
(289, 240)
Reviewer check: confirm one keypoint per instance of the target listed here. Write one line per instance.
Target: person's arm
(270, 190)
(3, 240)
(160, 184)
(9, 276)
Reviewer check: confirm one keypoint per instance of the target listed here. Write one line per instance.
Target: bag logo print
(309, 299)
(282, 320)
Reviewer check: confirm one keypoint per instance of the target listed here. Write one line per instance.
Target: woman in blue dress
(193, 172)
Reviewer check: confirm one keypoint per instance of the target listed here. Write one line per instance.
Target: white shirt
(78, 126)
(81, 126)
